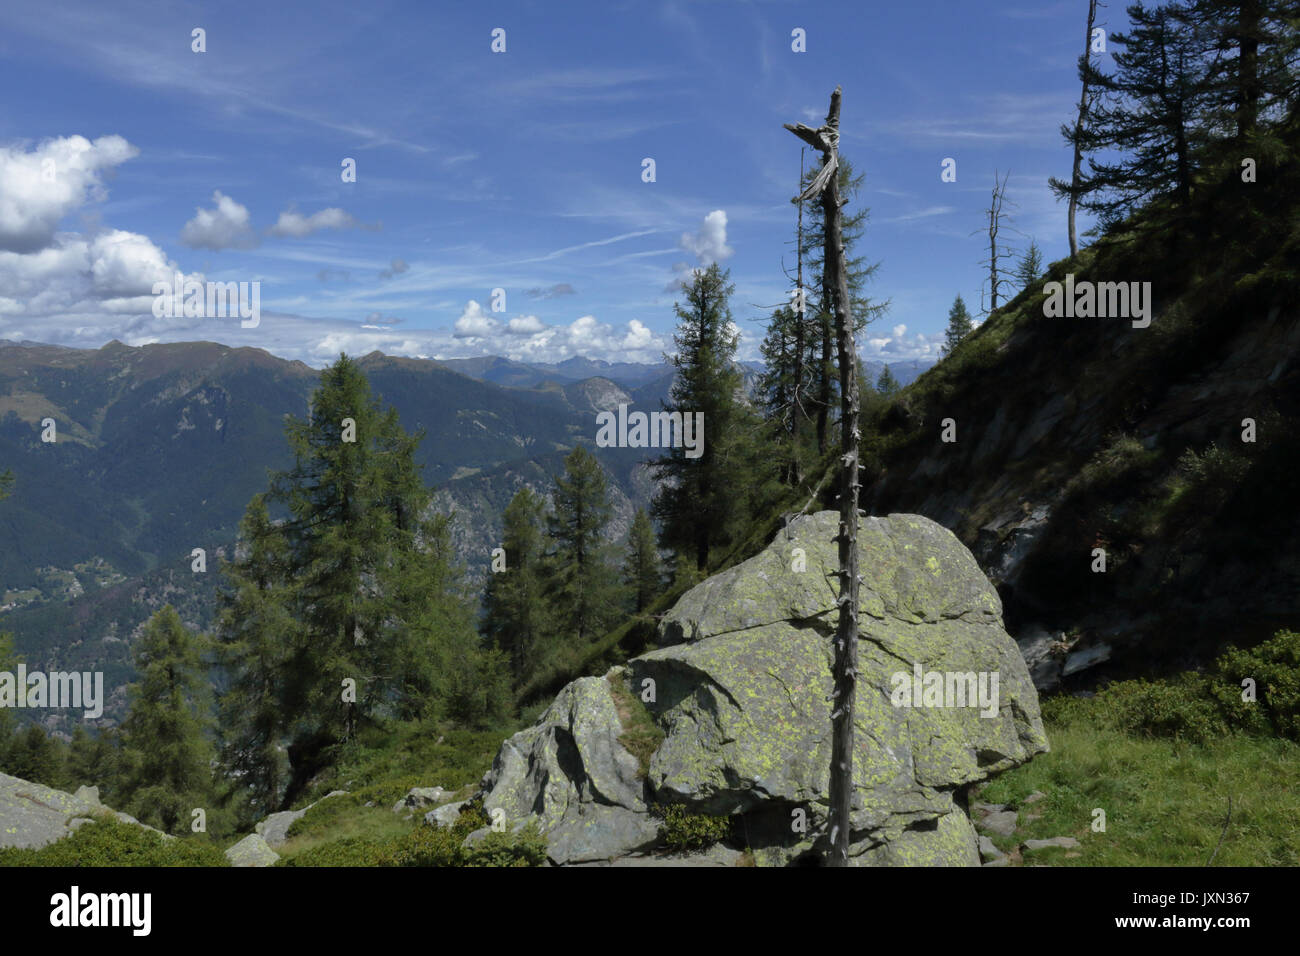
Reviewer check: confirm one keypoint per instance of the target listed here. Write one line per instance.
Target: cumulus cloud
(709, 243)
(397, 267)
(525, 325)
(225, 226)
(474, 323)
(295, 225)
(899, 346)
(550, 292)
(38, 188)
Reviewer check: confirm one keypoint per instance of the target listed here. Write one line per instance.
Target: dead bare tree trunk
(845, 667)
(996, 215)
(1078, 126)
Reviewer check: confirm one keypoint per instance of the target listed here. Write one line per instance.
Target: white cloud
(295, 224)
(474, 323)
(39, 188)
(525, 325)
(225, 226)
(709, 244)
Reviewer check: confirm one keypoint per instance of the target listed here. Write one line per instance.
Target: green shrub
(1200, 707)
(681, 830)
(109, 842)
(641, 735)
(526, 847)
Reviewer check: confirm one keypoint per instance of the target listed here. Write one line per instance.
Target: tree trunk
(846, 636)
(1078, 128)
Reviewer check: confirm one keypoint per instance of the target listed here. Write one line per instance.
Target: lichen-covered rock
(274, 829)
(564, 769)
(420, 798)
(33, 816)
(741, 692)
(252, 850)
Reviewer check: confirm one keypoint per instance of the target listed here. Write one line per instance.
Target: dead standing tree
(997, 250)
(844, 672)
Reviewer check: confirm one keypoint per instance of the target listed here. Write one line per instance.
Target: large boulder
(570, 773)
(741, 692)
(33, 816)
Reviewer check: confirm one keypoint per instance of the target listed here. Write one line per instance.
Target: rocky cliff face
(740, 693)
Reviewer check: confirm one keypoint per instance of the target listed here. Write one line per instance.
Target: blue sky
(519, 170)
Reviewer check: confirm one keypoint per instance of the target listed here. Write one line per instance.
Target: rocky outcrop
(741, 695)
(33, 816)
(275, 828)
(252, 850)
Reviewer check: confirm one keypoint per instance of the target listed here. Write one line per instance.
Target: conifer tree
(959, 326)
(1029, 268)
(699, 498)
(8, 664)
(354, 610)
(93, 761)
(642, 571)
(886, 384)
(166, 756)
(1146, 112)
(35, 756)
(583, 586)
(255, 627)
(514, 617)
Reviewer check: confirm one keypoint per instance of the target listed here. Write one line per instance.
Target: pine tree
(582, 586)
(514, 619)
(886, 384)
(959, 325)
(1029, 268)
(642, 571)
(166, 756)
(699, 498)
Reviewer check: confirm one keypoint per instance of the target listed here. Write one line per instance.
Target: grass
(641, 735)
(1165, 800)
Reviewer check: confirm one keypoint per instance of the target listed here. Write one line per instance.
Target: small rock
(1033, 797)
(989, 850)
(252, 850)
(1000, 861)
(987, 808)
(445, 816)
(1031, 817)
(420, 797)
(1067, 842)
(1003, 823)
(89, 795)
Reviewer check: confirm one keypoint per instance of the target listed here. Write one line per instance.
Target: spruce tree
(886, 384)
(699, 498)
(1029, 268)
(165, 753)
(959, 326)
(93, 761)
(583, 586)
(642, 571)
(514, 618)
